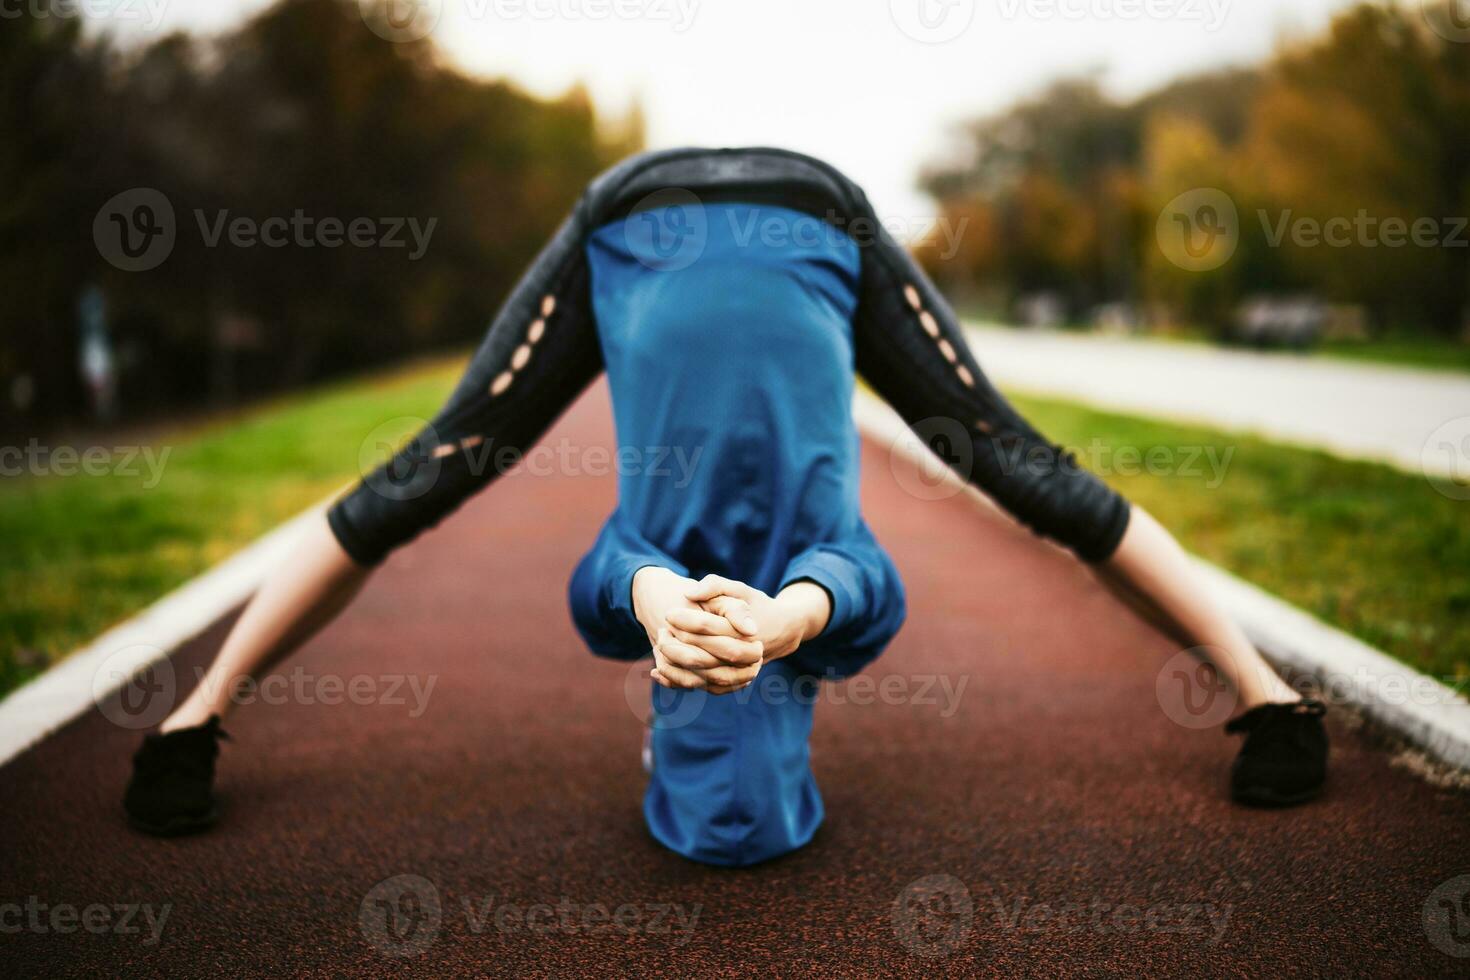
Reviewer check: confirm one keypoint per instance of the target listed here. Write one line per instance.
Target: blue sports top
(728, 345)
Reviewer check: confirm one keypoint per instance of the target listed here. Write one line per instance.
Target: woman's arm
(313, 584)
(540, 352)
(1152, 574)
(911, 350)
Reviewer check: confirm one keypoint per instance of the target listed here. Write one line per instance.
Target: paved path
(1020, 753)
(1362, 411)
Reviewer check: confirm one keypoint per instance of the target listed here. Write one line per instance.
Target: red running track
(1073, 826)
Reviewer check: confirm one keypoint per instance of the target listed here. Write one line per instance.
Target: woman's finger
(686, 655)
(734, 611)
(731, 677)
(739, 652)
(700, 621)
(713, 585)
(678, 677)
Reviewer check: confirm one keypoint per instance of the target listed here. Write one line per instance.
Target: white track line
(74, 685)
(1415, 707)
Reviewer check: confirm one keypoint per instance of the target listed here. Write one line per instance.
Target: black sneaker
(172, 789)
(1284, 759)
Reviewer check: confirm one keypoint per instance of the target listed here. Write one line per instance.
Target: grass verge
(1375, 552)
(1362, 546)
(83, 552)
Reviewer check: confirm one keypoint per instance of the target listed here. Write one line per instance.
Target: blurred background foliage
(1062, 192)
(297, 109)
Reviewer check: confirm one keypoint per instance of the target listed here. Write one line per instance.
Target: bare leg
(1151, 573)
(307, 592)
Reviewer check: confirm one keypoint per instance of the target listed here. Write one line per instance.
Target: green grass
(1399, 349)
(1408, 351)
(83, 552)
(1377, 552)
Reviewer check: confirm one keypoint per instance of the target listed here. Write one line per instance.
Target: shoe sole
(1262, 796)
(180, 827)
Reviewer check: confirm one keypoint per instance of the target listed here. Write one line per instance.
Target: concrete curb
(1411, 706)
(94, 672)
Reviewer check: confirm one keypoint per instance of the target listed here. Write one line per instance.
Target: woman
(730, 295)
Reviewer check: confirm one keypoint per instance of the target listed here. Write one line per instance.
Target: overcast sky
(871, 85)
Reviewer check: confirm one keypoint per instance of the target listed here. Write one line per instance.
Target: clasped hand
(714, 634)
